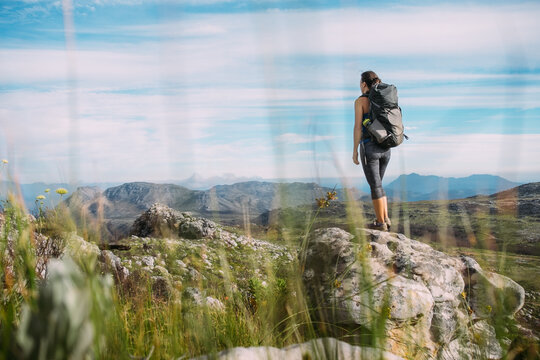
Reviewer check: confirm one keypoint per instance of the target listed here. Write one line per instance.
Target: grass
(265, 302)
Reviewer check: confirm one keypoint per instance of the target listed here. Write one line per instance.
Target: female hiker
(374, 158)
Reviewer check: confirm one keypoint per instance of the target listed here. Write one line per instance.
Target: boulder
(421, 295)
(322, 348)
(196, 228)
(490, 293)
(158, 221)
(113, 264)
(78, 248)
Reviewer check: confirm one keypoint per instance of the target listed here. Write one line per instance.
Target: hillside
(415, 187)
(508, 220)
(113, 210)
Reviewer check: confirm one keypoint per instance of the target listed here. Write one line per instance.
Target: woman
(374, 157)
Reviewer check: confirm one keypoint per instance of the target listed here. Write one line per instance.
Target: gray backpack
(385, 124)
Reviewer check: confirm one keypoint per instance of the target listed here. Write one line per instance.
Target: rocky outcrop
(158, 221)
(323, 349)
(426, 299)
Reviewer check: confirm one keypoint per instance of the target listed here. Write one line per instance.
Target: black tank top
(365, 133)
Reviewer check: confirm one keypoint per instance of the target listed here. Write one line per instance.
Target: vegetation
(80, 313)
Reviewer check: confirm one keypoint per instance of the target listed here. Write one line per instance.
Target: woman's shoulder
(362, 99)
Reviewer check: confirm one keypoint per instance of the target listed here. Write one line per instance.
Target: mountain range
(415, 187)
(411, 187)
(117, 207)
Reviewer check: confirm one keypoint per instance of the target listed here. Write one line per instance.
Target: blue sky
(127, 90)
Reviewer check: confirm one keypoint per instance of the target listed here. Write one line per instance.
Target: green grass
(264, 298)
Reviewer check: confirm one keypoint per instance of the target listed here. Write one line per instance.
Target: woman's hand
(355, 157)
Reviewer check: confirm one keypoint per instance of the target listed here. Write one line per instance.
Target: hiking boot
(388, 223)
(378, 226)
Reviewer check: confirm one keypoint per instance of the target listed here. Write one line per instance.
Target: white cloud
(292, 138)
(457, 155)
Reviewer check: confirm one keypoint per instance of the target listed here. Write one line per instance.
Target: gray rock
(335, 281)
(407, 282)
(489, 345)
(445, 321)
(112, 263)
(197, 228)
(486, 289)
(460, 349)
(193, 294)
(158, 221)
(148, 260)
(322, 348)
(79, 249)
(214, 303)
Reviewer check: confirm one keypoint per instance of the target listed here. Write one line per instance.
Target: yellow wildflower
(40, 197)
(47, 190)
(331, 195)
(337, 283)
(61, 191)
(322, 202)
(488, 308)
(463, 294)
(4, 161)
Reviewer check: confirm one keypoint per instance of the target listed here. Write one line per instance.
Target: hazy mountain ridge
(506, 220)
(119, 206)
(415, 187)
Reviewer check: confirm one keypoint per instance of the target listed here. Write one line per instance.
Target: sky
(155, 90)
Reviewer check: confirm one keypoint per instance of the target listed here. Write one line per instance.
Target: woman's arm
(358, 114)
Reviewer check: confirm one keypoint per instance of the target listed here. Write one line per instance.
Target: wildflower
(331, 195)
(463, 294)
(40, 197)
(47, 190)
(226, 298)
(337, 283)
(322, 202)
(4, 161)
(489, 308)
(61, 191)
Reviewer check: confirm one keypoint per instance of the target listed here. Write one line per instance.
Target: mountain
(30, 191)
(507, 220)
(198, 182)
(117, 207)
(415, 187)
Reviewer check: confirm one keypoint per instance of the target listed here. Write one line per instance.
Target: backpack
(385, 124)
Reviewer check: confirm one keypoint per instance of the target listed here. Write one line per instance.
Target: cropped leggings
(374, 162)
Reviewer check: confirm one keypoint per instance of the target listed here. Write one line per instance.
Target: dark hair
(370, 78)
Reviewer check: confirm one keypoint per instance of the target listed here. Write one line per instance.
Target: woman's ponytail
(370, 78)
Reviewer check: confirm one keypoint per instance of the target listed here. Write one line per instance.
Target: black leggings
(374, 162)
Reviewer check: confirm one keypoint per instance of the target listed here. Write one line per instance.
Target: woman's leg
(380, 207)
(371, 165)
(383, 163)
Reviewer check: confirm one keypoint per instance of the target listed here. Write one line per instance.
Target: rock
(486, 289)
(194, 295)
(418, 291)
(460, 349)
(214, 303)
(197, 228)
(79, 249)
(334, 279)
(112, 263)
(148, 260)
(487, 341)
(444, 322)
(158, 221)
(322, 348)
